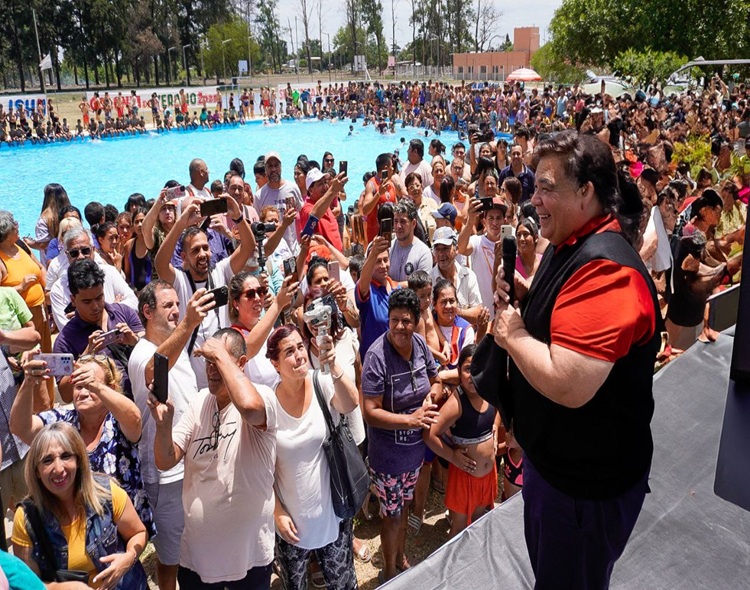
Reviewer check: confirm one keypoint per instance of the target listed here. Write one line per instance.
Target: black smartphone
(161, 378)
(290, 266)
(310, 226)
(384, 175)
(486, 204)
(221, 296)
(213, 207)
(343, 167)
(386, 228)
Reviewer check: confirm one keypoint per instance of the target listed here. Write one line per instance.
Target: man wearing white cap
(321, 190)
(444, 242)
(275, 192)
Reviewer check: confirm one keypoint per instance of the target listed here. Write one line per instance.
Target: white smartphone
(506, 231)
(59, 365)
(334, 271)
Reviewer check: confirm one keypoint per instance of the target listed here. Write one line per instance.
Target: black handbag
(49, 574)
(350, 480)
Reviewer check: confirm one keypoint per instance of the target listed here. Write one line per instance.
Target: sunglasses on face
(252, 293)
(75, 252)
(328, 160)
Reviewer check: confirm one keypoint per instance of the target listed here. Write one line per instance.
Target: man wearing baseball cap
(321, 191)
(275, 192)
(445, 216)
(444, 242)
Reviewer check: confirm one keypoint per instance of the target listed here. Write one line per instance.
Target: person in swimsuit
(136, 259)
(473, 424)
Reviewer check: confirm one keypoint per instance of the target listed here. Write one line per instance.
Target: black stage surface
(686, 536)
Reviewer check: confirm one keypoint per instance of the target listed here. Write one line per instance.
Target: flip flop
(363, 554)
(318, 580)
(414, 525)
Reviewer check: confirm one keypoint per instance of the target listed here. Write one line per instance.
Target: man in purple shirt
(86, 332)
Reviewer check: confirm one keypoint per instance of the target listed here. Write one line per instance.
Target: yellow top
(75, 534)
(17, 270)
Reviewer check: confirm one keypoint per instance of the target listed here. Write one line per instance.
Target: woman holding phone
(109, 423)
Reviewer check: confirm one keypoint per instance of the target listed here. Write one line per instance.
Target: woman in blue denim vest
(89, 521)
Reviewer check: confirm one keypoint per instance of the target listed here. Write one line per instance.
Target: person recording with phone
(322, 190)
(159, 309)
(384, 187)
(108, 422)
(97, 327)
(198, 272)
(226, 440)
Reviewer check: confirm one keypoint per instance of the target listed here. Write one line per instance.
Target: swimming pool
(109, 171)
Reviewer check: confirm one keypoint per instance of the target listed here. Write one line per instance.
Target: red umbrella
(524, 75)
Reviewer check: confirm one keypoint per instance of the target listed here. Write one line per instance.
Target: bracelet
(337, 377)
(240, 219)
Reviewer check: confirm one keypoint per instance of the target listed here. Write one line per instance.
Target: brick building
(496, 65)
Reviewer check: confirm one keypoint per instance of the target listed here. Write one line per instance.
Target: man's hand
(506, 323)
(474, 209)
(163, 414)
(198, 307)
(379, 245)
(212, 349)
(286, 529)
(233, 207)
(127, 336)
(338, 182)
(95, 343)
(190, 216)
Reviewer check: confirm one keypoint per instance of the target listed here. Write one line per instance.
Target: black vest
(603, 448)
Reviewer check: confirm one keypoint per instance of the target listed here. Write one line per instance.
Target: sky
(518, 13)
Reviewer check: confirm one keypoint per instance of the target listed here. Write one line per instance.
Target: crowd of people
(267, 302)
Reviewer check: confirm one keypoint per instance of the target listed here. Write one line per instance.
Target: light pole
(489, 49)
(184, 63)
(329, 56)
(224, 57)
(169, 64)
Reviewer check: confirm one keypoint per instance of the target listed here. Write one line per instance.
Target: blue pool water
(109, 171)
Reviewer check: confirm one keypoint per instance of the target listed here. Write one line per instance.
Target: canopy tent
(524, 75)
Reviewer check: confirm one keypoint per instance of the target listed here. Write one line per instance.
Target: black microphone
(509, 264)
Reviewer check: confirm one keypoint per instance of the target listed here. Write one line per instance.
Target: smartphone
(343, 167)
(386, 228)
(486, 204)
(59, 365)
(111, 337)
(290, 266)
(506, 231)
(221, 296)
(384, 175)
(334, 271)
(160, 387)
(176, 192)
(213, 207)
(310, 226)
(289, 202)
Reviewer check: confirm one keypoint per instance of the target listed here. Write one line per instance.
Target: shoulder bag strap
(34, 518)
(322, 402)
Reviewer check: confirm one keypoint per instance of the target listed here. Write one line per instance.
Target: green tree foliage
(646, 66)
(551, 66)
(219, 55)
(593, 32)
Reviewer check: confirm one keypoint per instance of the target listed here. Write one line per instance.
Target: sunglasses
(259, 292)
(76, 251)
(328, 160)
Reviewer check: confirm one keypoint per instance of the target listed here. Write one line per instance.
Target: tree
(269, 32)
(372, 11)
(551, 66)
(353, 18)
(648, 65)
(306, 14)
(487, 17)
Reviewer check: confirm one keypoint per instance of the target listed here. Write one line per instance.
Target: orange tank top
(17, 269)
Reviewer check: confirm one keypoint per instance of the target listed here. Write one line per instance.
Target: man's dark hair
(67, 209)
(110, 213)
(193, 230)
(238, 167)
(259, 167)
(419, 279)
(356, 263)
(406, 207)
(84, 274)
(585, 159)
(237, 346)
(416, 145)
(404, 299)
(94, 213)
(521, 131)
(382, 161)
(147, 296)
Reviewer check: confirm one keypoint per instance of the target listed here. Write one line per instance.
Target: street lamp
(224, 57)
(329, 56)
(184, 63)
(169, 64)
(489, 43)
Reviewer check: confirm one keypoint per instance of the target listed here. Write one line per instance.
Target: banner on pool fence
(196, 97)
(28, 101)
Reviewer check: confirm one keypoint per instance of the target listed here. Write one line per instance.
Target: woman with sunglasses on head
(247, 294)
(109, 423)
(94, 533)
(305, 519)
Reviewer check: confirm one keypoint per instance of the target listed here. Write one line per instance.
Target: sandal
(414, 525)
(364, 553)
(318, 580)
